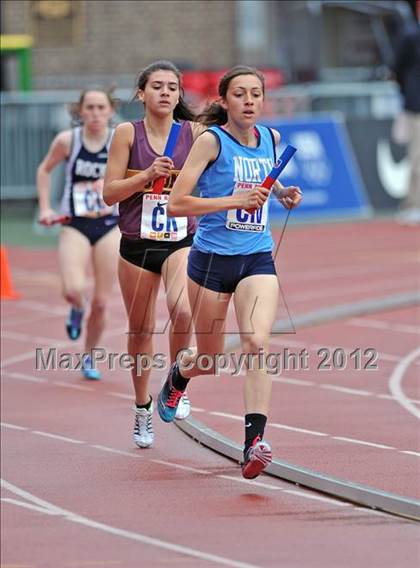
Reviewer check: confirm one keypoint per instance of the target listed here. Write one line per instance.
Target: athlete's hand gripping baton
(59, 220)
(278, 167)
(159, 183)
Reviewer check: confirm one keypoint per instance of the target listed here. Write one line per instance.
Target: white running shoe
(184, 408)
(143, 428)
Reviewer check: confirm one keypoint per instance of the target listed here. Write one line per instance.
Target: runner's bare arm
(205, 150)
(291, 196)
(117, 186)
(58, 152)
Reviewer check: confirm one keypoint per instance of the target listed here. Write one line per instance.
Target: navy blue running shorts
(93, 229)
(222, 273)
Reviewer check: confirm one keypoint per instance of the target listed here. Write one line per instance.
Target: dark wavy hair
(182, 110)
(215, 113)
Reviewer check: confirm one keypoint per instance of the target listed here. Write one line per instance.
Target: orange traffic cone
(6, 287)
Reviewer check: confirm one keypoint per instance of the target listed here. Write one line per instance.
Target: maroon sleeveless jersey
(141, 157)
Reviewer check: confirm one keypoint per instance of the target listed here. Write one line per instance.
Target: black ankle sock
(254, 426)
(146, 406)
(178, 381)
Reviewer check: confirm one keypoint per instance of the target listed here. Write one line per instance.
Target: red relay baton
(59, 220)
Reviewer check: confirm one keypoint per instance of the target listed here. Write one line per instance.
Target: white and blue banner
(324, 167)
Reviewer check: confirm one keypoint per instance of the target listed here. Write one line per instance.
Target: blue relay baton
(278, 167)
(159, 183)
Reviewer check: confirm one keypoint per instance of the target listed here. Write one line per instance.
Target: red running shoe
(257, 458)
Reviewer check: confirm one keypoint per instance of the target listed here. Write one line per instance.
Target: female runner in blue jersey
(90, 237)
(232, 250)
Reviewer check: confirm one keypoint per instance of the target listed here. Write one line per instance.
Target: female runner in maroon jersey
(153, 247)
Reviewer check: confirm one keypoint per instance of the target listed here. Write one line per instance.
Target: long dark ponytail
(215, 113)
(182, 110)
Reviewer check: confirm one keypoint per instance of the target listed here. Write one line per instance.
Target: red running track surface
(77, 493)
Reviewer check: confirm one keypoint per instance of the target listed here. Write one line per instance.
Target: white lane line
(300, 430)
(28, 506)
(25, 320)
(325, 292)
(316, 347)
(315, 433)
(174, 465)
(297, 493)
(297, 382)
(395, 382)
(226, 415)
(341, 271)
(275, 425)
(42, 307)
(317, 498)
(57, 437)
(385, 325)
(136, 536)
(121, 395)
(17, 358)
(72, 386)
(16, 336)
(183, 467)
(12, 426)
(362, 442)
(227, 477)
(114, 451)
(31, 498)
(390, 397)
(282, 426)
(381, 356)
(346, 390)
(410, 453)
(70, 345)
(251, 482)
(25, 377)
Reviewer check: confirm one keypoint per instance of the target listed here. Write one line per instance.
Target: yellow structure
(21, 46)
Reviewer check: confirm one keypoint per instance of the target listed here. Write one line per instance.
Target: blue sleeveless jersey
(237, 169)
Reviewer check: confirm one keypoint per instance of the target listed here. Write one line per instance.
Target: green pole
(20, 46)
(25, 75)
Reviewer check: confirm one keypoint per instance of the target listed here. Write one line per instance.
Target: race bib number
(87, 199)
(241, 220)
(155, 223)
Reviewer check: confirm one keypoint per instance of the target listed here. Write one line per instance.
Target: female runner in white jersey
(232, 250)
(90, 235)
